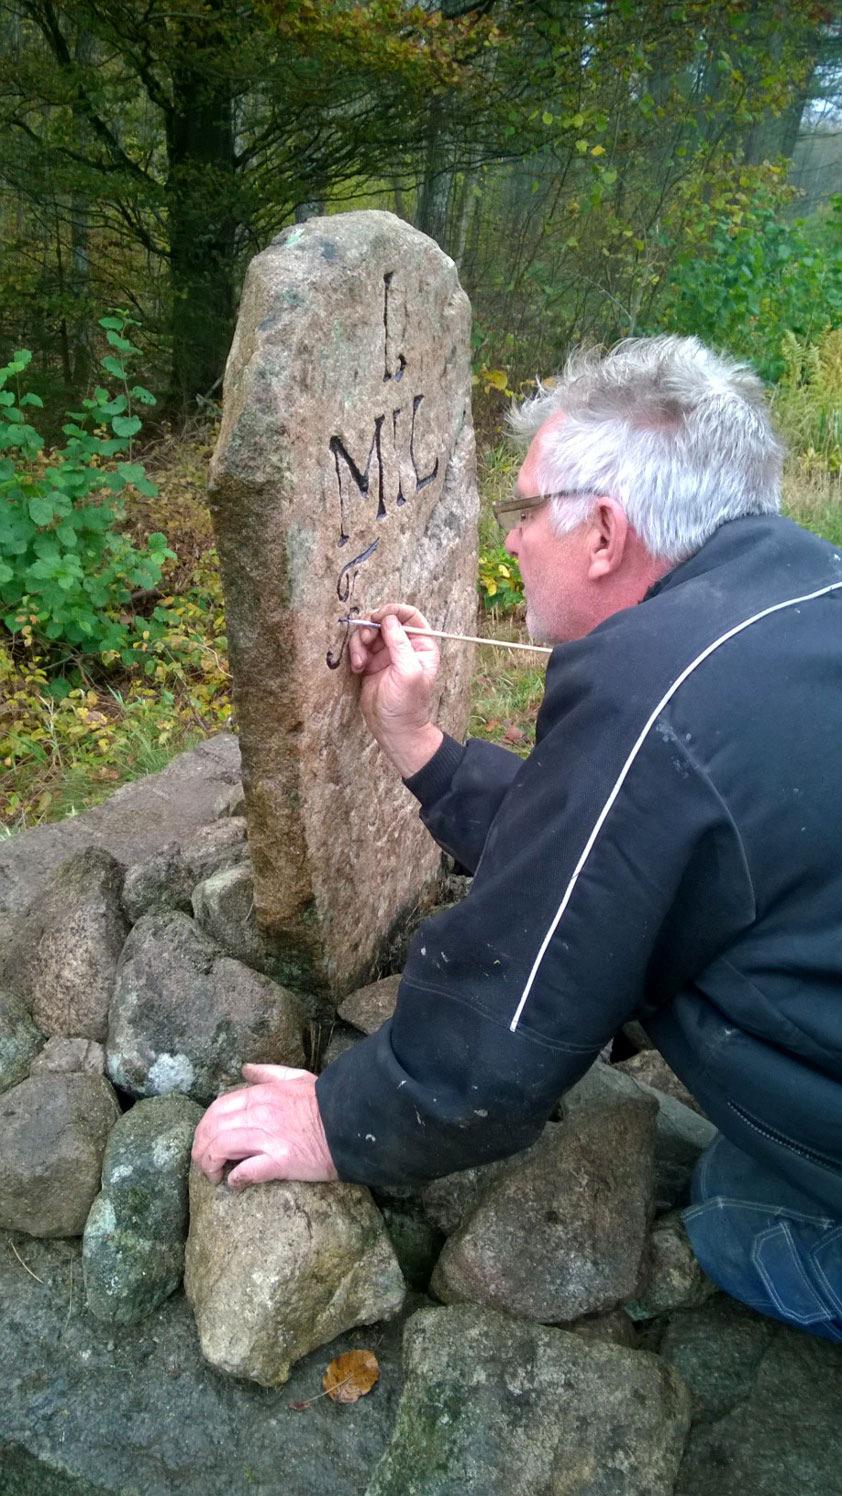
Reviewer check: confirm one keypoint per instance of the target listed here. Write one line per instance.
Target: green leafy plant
(500, 585)
(67, 571)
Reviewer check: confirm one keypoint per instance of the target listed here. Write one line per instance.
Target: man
(671, 849)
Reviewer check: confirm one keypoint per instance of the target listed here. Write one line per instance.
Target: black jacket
(671, 849)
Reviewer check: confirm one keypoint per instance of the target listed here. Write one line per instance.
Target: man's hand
(399, 673)
(272, 1125)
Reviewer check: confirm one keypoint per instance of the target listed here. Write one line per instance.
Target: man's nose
(510, 542)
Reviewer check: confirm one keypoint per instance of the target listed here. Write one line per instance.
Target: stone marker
(343, 478)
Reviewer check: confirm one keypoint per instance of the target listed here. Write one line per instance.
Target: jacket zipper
(785, 1142)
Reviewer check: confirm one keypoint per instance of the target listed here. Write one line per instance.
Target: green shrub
(66, 570)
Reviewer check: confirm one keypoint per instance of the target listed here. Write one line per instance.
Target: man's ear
(607, 537)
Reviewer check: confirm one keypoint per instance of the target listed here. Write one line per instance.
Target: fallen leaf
(513, 734)
(351, 1376)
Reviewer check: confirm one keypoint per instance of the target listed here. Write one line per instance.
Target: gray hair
(677, 434)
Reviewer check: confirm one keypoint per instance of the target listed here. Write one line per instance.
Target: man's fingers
(256, 1073)
(258, 1170)
(404, 613)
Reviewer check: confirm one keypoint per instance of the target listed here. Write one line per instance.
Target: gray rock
(674, 1278)
(341, 1038)
(223, 905)
(212, 848)
(783, 1433)
(651, 1069)
(232, 802)
(163, 881)
(368, 1008)
(717, 1349)
(133, 1243)
(64, 953)
(416, 1242)
(70, 1057)
(185, 1017)
(54, 1130)
(276, 1269)
(563, 1235)
(90, 1411)
(615, 1327)
(336, 478)
(20, 1040)
(493, 1406)
(681, 1135)
(132, 824)
(449, 1201)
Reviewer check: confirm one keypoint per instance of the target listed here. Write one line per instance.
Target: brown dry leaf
(513, 734)
(351, 1376)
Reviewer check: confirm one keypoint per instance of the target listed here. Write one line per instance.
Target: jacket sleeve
(508, 997)
(461, 790)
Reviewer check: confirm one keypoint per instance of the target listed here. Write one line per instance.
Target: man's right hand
(398, 681)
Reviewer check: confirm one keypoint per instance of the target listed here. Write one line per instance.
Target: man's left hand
(272, 1125)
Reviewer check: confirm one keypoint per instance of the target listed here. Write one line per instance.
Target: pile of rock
(539, 1289)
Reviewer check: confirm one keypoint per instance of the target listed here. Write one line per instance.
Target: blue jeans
(764, 1242)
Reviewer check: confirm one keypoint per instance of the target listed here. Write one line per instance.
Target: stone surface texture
(54, 1130)
(162, 881)
(368, 1008)
(681, 1135)
(674, 1278)
(185, 1017)
(344, 476)
(20, 1040)
(277, 1269)
(780, 1429)
(90, 1410)
(651, 1069)
(494, 1406)
(223, 905)
(132, 824)
(562, 1235)
(133, 1243)
(64, 953)
(70, 1057)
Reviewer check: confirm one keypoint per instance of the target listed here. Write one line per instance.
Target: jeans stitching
(787, 1313)
(814, 1255)
(780, 1212)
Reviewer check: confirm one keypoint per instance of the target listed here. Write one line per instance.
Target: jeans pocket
(780, 1261)
(826, 1258)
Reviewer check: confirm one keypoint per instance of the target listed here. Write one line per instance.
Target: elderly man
(671, 849)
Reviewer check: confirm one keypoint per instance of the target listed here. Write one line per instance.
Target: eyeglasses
(513, 511)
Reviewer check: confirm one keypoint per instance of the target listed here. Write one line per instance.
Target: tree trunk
(200, 148)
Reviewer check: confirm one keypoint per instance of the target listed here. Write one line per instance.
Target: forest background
(596, 168)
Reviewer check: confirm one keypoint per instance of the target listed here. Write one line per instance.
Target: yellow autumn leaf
(598, 150)
(350, 1376)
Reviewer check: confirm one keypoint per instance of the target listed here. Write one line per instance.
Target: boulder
(132, 824)
(185, 1017)
(563, 1234)
(223, 905)
(20, 1040)
(210, 849)
(274, 1270)
(681, 1135)
(54, 1130)
(450, 1200)
(650, 1067)
(368, 1008)
(341, 1038)
(162, 881)
(779, 1431)
(416, 1242)
(70, 1057)
(231, 802)
(494, 1406)
(63, 957)
(133, 1243)
(88, 1410)
(674, 1278)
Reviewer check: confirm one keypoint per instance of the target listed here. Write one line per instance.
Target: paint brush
(368, 623)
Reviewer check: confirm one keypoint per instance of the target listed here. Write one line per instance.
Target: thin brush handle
(367, 623)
